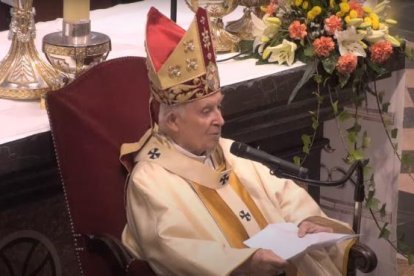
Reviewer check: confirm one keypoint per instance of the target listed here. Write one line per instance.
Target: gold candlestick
(23, 74)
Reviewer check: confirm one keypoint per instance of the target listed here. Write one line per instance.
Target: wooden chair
(90, 118)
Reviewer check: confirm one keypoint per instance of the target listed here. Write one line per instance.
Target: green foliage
(335, 107)
(309, 72)
(329, 64)
(384, 233)
(297, 160)
(366, 140)
(306, 140)
(343, 116)
(382, 211)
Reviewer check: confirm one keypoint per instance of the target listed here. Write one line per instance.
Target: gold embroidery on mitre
(188, 46)
(184, 76)
(178, 57)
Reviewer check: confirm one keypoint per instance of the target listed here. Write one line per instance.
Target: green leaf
(382, 211)
(366, 140)
(306, 140)
(357, 155)
(385, 107)
(309, 71)
(315, 123)
(329, 64)
(376, 68)
(335, 107)
(352, 137)
(372, 203)
(384, 233)
(343, 79)
(246, 46)
(318, 78)
(296, 160)
(394, 133)
(344, 115)
(309, 52)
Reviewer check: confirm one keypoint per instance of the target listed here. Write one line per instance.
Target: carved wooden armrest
(117, 256)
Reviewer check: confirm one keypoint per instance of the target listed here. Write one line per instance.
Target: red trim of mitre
(203, 24)
(162, 37)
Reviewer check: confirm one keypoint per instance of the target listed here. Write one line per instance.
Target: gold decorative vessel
(23, 74)
(243, 27)
(217, 9)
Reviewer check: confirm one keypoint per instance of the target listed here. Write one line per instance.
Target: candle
(75, 11)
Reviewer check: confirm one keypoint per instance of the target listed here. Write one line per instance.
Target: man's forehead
(210, 99)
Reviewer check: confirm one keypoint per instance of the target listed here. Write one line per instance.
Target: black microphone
(274, 163)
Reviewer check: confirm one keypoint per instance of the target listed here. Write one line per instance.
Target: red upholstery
(90, 118)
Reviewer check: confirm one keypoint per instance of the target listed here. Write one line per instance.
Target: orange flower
(272, 7)
(297, 30)
(323, 46)
(356, 6)
(332, 24)
(347, 64)
(381, 51)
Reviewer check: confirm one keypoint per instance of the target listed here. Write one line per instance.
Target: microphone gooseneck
(277, 165)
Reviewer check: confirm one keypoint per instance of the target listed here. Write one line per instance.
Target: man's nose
(219, 118)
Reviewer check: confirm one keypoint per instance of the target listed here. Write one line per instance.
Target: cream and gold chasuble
(188, 216)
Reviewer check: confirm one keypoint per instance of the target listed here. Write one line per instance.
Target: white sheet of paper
(283, 240)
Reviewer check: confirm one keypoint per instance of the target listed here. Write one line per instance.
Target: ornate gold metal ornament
(76, 48)
(23, 74)
(217, 9)
(243, 27)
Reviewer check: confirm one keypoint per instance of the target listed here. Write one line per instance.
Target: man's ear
(172, 122)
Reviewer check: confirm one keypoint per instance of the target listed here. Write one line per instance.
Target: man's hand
(306, 227)
(262, 262)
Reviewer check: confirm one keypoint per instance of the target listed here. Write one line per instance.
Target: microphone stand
(359, 192)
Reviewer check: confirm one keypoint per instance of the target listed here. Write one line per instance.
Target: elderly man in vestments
(190, 202)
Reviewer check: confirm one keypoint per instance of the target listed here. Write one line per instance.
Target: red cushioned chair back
(90, 118)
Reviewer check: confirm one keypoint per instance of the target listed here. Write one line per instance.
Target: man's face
(199, 126)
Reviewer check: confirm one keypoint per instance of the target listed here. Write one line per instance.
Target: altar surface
(125, 25)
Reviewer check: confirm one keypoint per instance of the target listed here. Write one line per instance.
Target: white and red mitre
(181, 64)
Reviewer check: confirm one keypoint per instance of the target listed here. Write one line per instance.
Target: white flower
(284, 52)
(263, 30)
(373, 36)
(349, 42)
(258, 26)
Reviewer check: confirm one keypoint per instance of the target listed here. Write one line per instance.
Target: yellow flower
(298, 3)
(305, 5)
(331, 4)
(374, 16)
(391, 21)
(272, 20)
(355, 22)
(394, 42)
(317, 10)
(353, 14)
(367, 9)
(368, 20)
(311, 15)
(344, 7)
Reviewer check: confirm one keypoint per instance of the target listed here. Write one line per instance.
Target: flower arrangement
(349, 39)
(345, 45)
